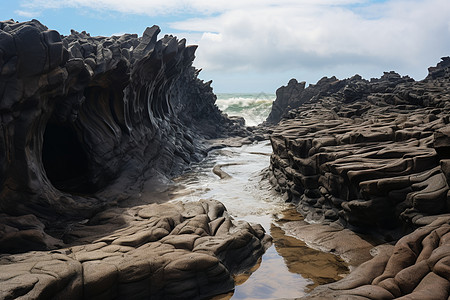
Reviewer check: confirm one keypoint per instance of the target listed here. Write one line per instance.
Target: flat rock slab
(162, 251)
(343, 242)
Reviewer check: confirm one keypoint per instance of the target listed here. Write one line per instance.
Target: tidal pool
(289, 268)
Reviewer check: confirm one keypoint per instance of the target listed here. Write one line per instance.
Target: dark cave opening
(65, 161)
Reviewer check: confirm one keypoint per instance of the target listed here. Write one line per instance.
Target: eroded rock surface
(417, 267)
(91, 128)
(157, 251)
(86, 118)
(368, 154)
(372, 156)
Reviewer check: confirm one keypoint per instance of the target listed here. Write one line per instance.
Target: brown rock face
(158, 251)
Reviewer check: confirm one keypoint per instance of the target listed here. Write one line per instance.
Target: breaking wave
(254, 108)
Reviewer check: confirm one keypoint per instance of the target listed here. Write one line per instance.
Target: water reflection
(272, 279)
(288, 269)
(319, 267)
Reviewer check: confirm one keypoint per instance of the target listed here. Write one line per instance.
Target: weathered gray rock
(91, 126)
(417, 267)
(86, 118)
(295, 94)
(372, 154)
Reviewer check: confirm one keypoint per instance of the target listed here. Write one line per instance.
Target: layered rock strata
(372, 156)
(368, 153)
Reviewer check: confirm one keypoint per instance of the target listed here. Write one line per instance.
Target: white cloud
(307, 36)
(118, 33)
(310, 36)
(28, 13)
(156, 7)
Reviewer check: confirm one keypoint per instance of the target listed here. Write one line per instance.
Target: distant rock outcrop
(348, 90)
(295, 94)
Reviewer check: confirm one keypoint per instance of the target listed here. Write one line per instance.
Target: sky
(259, 45)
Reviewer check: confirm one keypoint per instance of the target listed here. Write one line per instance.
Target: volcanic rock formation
(372, 156)
(83, 117)
(90, 126)
(367, 153)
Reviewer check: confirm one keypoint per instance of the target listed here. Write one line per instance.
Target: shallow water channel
(289, 268)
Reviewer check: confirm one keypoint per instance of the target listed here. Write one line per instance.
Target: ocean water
(253, 107)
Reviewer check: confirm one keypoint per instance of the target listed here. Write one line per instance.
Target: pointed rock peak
(151, 33)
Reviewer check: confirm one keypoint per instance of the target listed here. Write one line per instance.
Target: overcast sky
(258, 45)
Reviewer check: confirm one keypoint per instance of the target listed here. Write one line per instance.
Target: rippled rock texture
(417, 267)
(89, 127)
(85, 118)
(368, 153)
(372, 156)
(157, 251)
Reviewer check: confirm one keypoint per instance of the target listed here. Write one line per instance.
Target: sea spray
(253, 107)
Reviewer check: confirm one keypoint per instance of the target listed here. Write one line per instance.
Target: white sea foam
(243, 193)
(254, 108)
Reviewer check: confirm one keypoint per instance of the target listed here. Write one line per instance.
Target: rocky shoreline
(372, 156)
(93, 128)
